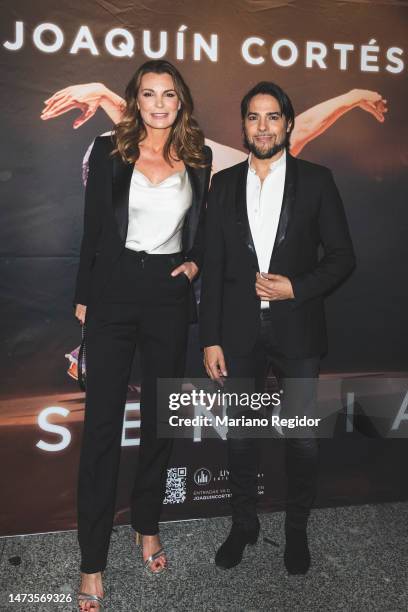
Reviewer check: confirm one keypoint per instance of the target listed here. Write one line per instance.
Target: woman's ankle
(91, 576)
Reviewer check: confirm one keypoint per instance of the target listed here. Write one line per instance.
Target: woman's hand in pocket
(189, 268)
(80, 313)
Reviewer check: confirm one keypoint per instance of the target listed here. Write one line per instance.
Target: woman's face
(157, 100)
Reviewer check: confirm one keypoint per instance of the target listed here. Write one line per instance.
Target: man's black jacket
(312, 214)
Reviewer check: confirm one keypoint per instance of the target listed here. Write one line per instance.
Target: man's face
(264, 126)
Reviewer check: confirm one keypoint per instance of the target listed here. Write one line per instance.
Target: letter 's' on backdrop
(344, 66)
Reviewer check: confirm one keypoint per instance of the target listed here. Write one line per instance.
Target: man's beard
(266, 153)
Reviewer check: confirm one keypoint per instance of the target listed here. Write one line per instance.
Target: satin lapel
(288, 202)
(122, 174)
(195, 184)
(193, 215)
(241, 208)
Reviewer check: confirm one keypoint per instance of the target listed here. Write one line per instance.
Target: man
(262, 300)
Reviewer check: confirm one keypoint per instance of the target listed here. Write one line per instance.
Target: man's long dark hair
(270, 89)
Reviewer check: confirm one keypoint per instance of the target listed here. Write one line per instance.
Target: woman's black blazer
(106, 219)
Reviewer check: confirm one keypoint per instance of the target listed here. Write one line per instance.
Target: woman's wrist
(194, 266)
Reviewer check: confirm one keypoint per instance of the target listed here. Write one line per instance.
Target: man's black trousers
(298, 380)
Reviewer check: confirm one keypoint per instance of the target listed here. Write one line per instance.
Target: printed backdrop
(344, 66)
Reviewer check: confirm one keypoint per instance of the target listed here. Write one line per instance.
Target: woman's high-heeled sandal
(148, 563)
(88, 597)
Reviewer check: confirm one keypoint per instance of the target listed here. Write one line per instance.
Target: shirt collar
(275, 164)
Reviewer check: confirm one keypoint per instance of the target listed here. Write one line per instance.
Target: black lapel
(195, 184)
(122, 174)
(288, 202)
(193, 215)
(241, 208)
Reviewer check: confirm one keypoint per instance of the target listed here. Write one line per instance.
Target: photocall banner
(65, 67)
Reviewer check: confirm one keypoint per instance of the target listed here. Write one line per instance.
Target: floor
(359, 562)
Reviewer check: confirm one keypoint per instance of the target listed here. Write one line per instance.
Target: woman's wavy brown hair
(186, 139)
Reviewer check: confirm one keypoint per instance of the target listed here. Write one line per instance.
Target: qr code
(176, 486)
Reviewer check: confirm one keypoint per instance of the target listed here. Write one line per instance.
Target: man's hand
(80, 312)
(271, 287)
(189, 268)
(214, 362)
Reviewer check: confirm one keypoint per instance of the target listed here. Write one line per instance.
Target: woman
(141, 249)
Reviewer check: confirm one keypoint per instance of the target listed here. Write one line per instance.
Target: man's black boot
(297, 554)
(230, 553)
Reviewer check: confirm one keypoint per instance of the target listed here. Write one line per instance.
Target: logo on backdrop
(202, 476)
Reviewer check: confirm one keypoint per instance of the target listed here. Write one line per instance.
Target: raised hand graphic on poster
(311, 123)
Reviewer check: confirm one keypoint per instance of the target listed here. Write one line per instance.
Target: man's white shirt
(264, 203)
